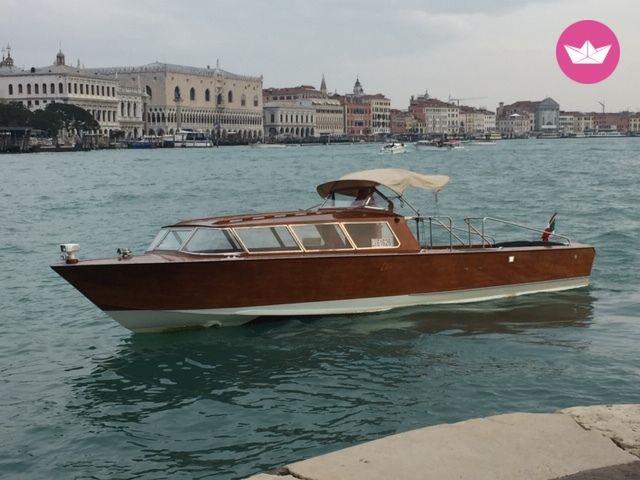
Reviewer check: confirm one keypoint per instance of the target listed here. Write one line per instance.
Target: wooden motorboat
(354, 253)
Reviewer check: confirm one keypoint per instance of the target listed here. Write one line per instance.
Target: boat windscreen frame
(226, 254)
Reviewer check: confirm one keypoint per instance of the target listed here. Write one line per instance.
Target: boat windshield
(360, 197)
(212, 240)
(267, 239)
(170, 239)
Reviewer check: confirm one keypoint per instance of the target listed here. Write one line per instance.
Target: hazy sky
(502, 50)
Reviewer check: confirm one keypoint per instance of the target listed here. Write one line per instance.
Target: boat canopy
(395, 179)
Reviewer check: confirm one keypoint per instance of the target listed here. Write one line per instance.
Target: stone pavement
(581, 443)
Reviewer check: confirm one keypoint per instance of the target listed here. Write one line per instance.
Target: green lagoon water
(81, 397)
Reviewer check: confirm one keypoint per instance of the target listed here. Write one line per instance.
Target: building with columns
(285, 120)
(101, 95)
(212, 100)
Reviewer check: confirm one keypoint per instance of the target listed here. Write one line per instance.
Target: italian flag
(551, 227)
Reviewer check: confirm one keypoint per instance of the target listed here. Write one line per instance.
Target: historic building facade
(543, 115)
(365, 115)
(212, 100)
(329, 115)
(290, 119)
(287, 111)
(100, 95)
(438, 117)
(476, 121)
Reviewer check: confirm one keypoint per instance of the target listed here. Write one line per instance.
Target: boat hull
(163, 295)
(143, 321)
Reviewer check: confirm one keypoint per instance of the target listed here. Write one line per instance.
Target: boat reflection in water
(354, 253)
(226, 366)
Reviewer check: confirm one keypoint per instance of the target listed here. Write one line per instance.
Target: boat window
(267, 239)
(372, 235)
(174, 239)
(212, 240)
(161, 234)
(327, 236)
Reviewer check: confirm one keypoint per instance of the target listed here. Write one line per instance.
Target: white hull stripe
(158, 320)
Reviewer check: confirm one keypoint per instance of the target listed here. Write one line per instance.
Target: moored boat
(188, 139)
(354, 253)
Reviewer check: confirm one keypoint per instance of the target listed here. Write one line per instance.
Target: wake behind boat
(354, 253)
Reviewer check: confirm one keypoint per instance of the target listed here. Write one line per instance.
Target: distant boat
(606, 133)
(393, 148)
(187, 138)
(441, 145)
(268, 145)
(483, 143)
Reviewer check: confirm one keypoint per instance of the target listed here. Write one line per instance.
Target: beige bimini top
(396, 179)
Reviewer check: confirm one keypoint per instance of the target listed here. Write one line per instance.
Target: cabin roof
(291, 217)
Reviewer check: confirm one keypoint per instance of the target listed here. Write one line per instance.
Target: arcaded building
(212, 100)
(36, 87)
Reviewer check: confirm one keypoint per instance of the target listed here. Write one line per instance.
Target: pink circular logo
(588, 51)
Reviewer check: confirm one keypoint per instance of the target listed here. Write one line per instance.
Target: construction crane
(602, 105)
(458, 100)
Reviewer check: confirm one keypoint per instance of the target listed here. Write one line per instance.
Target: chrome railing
(446, 223)
(489, 241)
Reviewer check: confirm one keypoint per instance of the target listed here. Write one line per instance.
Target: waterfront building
(567, 122)
(289, 120)
(357, 114)
(489, 120)
(634, 123)
(515, 125)
(583, 122)
(543, 115)
(101, 95)
(618, 121)
(547, 115)
(380, 114)
(212, 100)
(328, 112)
(365, 115)
(403, 122)
(329, 117)
(439, 117)
(399, 121)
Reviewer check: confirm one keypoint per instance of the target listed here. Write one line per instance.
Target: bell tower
(357, 88)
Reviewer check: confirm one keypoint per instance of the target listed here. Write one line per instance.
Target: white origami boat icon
(587, 54)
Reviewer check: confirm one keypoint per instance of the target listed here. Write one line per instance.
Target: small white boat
(393, 148)
(188, 138)
(483, 143)
(268, 145)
